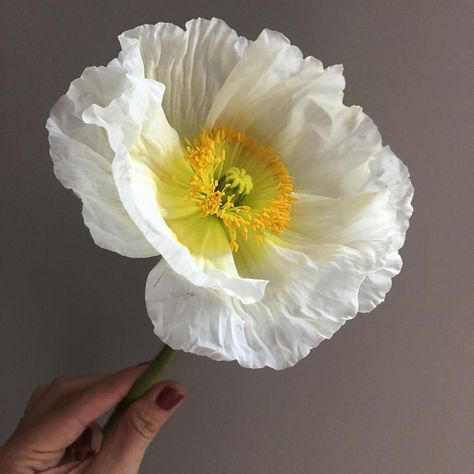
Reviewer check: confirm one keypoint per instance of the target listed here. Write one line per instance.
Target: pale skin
(58, 433)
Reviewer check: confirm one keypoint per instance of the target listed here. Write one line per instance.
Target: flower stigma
(237, 179)
(245, 185)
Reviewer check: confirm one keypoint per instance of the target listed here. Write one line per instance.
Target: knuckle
(143, 422)
(59, 383)
(39, 389)
(36, 394)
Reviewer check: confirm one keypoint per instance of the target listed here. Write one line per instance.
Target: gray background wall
(391, 392)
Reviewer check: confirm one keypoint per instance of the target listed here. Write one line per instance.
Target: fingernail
(86, 438)
(168, 398)
(142, 364)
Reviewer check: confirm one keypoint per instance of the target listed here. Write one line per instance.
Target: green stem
(141, 385)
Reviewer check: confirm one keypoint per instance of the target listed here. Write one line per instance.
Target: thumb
(124, 449)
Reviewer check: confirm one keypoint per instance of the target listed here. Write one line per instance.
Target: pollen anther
(244, 184)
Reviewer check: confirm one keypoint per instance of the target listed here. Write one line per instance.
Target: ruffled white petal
(295, 105)
(189, 317)
(329, 149)
(391, 176)
(377, 283)
(82, 160)
(367, 217)
(303, 305)
(191, 63)
(134, 122)
(373, 223)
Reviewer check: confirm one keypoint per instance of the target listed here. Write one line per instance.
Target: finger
(124, 449)
(90, 440)
(32, 405)
(76, 467)
(35, 397)
(66, 385)
(62, 425)
(47, 396)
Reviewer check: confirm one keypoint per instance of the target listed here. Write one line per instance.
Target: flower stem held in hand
(142, 384)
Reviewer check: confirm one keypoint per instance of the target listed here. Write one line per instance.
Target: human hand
(58, 433)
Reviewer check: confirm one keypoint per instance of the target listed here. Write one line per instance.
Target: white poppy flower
(276, 209)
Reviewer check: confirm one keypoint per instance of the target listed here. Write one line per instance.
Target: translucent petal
(389, 174)
(295, 105)
(366, 217)
(303, 305)
(191, 63)
(148, 152)
(82, 160)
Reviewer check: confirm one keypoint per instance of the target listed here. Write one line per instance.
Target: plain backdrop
(392, 392)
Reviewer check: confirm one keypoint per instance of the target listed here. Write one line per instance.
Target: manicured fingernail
(168, 398)
(86, 438)
(142, 364)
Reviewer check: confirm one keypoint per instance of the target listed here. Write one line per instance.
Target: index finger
(61, 426)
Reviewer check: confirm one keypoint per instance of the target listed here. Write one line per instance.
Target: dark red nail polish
(86, 438)
(168, 398)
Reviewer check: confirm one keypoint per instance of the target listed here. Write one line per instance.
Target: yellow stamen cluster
(221, 185)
